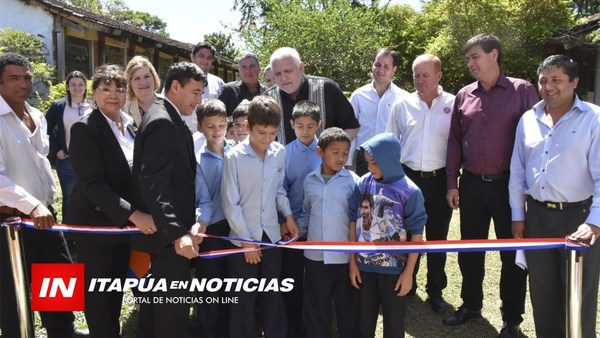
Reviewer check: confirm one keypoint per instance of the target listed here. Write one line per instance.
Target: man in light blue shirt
(555, 191)
(331, 199)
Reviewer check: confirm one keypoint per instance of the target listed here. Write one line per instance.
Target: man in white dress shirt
(421, 122)
(26, 190)
(372, 103)
(203, 55)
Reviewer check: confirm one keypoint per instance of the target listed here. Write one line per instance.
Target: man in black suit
(247, 87)
(164, 169)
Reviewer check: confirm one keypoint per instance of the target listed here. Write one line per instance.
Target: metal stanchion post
(17, 259)
(574, 292)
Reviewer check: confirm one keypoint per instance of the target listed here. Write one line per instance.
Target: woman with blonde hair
(142, 84)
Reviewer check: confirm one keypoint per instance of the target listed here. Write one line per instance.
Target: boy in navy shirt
(397, 207)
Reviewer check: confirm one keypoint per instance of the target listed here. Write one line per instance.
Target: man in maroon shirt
(482, 132)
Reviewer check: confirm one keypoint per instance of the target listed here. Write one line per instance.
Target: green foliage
(594, 37)
(223, 43)
(143, 20)
(404, 38)
(586, 7)
(334, 38)
(523, 26)
(251, 10)
(118, 10)
(95, 6)
(21, 42)
(33, 48)
(56, 92)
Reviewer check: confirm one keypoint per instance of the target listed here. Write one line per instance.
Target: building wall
(16, 14)
(19, 16)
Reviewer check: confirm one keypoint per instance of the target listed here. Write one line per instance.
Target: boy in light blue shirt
(331, 199)
(301, 158)
(252, 194)
(212, 123)
(301, 154)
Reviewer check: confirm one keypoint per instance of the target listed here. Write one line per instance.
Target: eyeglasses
(79, 109)
(107, 91)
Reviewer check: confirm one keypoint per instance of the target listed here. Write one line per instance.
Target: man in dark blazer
(247, 87)
(164, 170)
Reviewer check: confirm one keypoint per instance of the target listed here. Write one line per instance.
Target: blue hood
(385, 150)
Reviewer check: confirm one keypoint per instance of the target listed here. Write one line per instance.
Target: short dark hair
(249, 55)
(204, 44)
(13, 59)
(108, 74)
(240, 110)
(210, 107)
(75, 74)
(333, 134)
(387, 51)
(182, 72)
(264, 111)
(488, 43)
(306, 108)
(367, 196)
(560, 61)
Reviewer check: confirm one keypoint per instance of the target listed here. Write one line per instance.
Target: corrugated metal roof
(117, 28)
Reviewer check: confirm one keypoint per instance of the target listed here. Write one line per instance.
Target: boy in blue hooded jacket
(391, 206)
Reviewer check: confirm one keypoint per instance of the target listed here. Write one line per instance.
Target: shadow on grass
(421, 321)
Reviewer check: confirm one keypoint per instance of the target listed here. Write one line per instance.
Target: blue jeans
(66, 177)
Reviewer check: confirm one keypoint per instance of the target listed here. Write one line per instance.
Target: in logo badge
(57, 287)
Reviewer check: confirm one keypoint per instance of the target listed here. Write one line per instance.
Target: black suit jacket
(235, 92)
(56, 128)
(102, 192)
(164, 171)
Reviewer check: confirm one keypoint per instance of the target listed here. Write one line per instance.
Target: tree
(143, 20)
(118, 10)
(223, 44)
(334, 38)
(524, 26)
(586, 7)
(33, 48)
(405, 39)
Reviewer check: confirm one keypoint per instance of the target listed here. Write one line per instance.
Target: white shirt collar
(174, 106)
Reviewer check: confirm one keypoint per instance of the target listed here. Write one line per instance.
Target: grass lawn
(420, 321)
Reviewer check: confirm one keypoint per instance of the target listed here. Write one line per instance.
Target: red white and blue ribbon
(475, 245)
(472, 245)
(108, 230)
